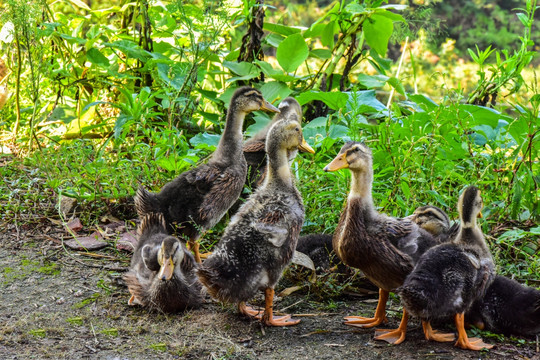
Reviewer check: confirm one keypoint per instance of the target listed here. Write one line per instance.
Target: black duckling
(508, 307)
(319, 249)
(197, 199)
(384, 248)
(449, 277)
(254, 148)
(261, 237)
(162, 272)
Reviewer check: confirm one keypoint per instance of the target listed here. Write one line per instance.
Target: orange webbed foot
(395, 336)
(279, 320)
(249, 311)
(463, 341)
(364, 322)
(436, 335)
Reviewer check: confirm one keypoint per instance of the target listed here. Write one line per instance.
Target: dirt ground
(58, 303)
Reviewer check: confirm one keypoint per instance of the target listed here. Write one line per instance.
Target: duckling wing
(274, 226)
(255, 146)
(220, 187)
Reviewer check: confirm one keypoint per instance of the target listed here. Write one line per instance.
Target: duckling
(448, 278)
(435, 221)
(162, 272)
(508, 307)
(319, 249)
(253, 149)
(261, 237)
(383, 247)
(197, 199)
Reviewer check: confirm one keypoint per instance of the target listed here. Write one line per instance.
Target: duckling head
(470, 206)
(287, 135)
(247, 99)
(431, 218)
(170, 253)
(290, 106)
(353, 155)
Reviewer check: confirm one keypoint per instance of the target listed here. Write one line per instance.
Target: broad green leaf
(274, 39)
(377, 30)
(354, 8)
(96, 57)
(292, 52)
(372, 81)
(334, 100)
(428, 104)
(392, 16)
(275, 74)
(205, 140)
(314, 31)
(364, 101)
(327, 36)
(322, 54)
(317, 122)
(523, 18)
(260, 123)
(281, 29)
(275, 90)
(131, 49)
(482, 115)
(244, 69)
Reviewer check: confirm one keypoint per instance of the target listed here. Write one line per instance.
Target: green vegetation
(106, 97)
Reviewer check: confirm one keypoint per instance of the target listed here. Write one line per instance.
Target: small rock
(79, 293)
(60, 301)
(92, 242)
(67, 205)
(128, 241)
(75, 225)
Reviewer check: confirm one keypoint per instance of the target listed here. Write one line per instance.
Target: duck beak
(166, 270)
(304, 146)
(480, 215)
(269, 107)
(339, 162)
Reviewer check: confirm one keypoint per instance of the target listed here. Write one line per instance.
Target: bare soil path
(61, 304)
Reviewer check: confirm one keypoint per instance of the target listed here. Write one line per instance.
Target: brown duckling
(318, 247)
(197, 199)
(508, 307)
(448, 278)
(254, 148)
(162, 272)
(383, 247)
(261, 237)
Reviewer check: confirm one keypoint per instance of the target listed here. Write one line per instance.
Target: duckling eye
(297, 129)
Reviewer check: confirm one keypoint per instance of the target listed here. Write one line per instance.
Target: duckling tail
(145, 201)
(153, 223)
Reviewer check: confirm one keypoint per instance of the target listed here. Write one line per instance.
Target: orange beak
(304, 146)
(339, 162)
(166, 270)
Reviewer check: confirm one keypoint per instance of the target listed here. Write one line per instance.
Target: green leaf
(428, 104)
(96, 57)
(275, 90)
(396, 84)
(281, 29)
(354, 8)
(372, 81)
(244, 69)
(365, 101)
(334, 100)
(80, 4)
(292, 52)
(377, 30)
(274, 39)
(523, 18)
(205, 140)
(322, 54)
(327, 36)
(482, 115)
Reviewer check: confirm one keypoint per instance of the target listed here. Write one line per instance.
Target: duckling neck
(361, 185)
(279, 171)
(230, 144)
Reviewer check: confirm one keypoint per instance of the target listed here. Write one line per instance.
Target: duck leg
(380, 314)
(395, 336)
(194, 246)
(434, 334)
(463, 341)
(268, 317)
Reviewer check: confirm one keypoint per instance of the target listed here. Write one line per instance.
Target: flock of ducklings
(439, 271)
